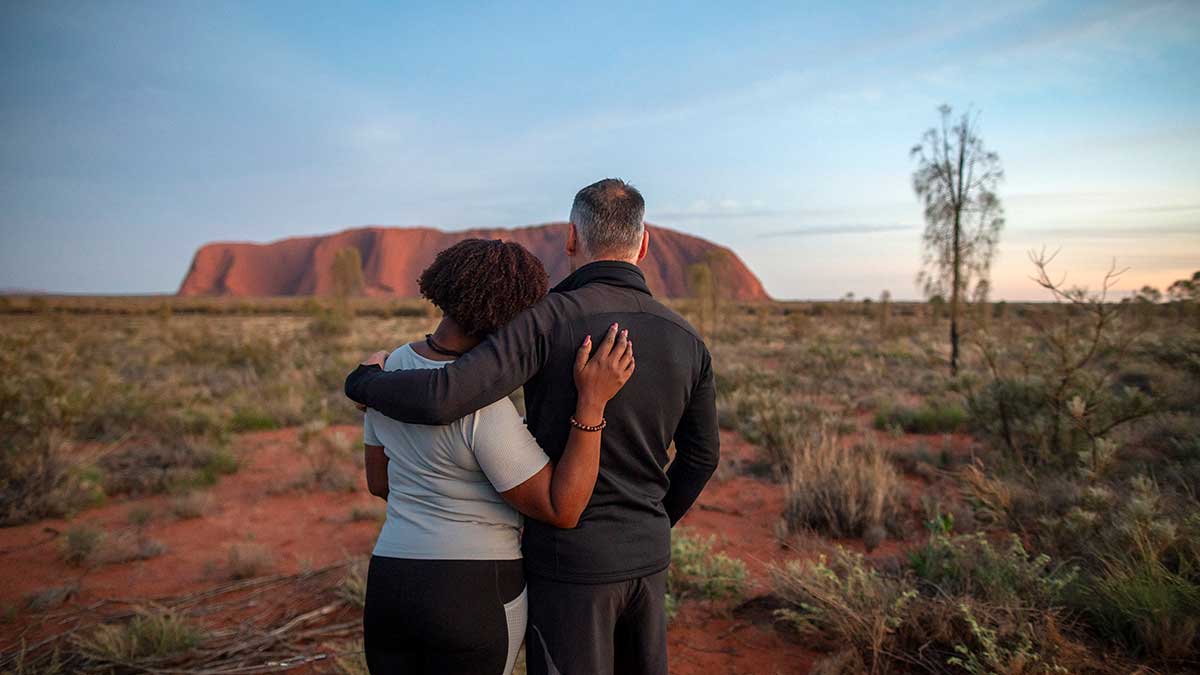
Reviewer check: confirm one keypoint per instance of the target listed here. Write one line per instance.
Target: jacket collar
(611, 272)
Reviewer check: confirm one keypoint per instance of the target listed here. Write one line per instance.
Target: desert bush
(756, 405)
(971, 565)
(148, 636)
(883, 623)
(1141, 549)
(841, 491)
(81, 543)
(41, 476)
(1052, 399)
(697, 571)
(150, 467)
(935, 417)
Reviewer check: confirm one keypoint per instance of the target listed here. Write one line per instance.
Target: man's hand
(379, 358)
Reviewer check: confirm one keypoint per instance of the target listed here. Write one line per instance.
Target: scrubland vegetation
(1038, 512)
(1069, 449)
(106, 400)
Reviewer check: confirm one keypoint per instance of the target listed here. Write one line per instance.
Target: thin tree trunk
(954, 299)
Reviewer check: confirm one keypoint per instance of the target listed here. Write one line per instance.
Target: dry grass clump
(247, 561)
(352, 659)
(148, 637)
(842, 491)
(843, 600)
(326, 454)
(81, 544)
(352, 589)
(128, 547)
(191, 505)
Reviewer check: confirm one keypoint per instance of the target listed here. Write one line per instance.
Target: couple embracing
(458, 578)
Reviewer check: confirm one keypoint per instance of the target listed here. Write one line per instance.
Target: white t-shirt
(444, 481)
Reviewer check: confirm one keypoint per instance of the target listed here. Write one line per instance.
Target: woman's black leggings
(443, 616)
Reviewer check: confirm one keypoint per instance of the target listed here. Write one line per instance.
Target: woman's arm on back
(376, 463)
(557, 494)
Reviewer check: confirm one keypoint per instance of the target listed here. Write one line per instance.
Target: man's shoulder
(581, 302)
(653, 306)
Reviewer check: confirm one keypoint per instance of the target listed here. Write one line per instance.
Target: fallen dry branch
(239, 629)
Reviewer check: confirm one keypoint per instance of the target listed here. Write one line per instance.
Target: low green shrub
(146, 467)
(929, 418)
(696, 571)
(971, 565)
(252, 419)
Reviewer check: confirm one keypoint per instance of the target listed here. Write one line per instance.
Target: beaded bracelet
(584, 427)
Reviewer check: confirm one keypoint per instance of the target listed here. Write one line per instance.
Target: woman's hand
(600, 378)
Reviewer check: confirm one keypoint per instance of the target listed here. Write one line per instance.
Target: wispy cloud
(836, 229)
(1115, 232)
(1164, 208)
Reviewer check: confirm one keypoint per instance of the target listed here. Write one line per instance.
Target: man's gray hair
(608, 216)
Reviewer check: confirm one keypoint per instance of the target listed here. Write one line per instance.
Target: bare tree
(956, 179)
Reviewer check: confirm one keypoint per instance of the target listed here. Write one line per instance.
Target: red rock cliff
(393, 257)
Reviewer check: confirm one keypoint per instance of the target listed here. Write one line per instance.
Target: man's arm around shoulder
(504, 361)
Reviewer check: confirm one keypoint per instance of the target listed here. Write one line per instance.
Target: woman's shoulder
(405, 357)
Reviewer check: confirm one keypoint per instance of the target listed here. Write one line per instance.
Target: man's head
(606, 224)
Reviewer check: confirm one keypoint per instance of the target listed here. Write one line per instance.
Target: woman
(445, 590)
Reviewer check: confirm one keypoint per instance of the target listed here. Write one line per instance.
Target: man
(596, 592)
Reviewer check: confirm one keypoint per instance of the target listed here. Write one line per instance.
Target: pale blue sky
(132, 133)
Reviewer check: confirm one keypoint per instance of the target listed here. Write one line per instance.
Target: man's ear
(645, 245)
(572, 241)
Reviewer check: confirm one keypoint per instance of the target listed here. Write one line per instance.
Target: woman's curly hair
(483, 283)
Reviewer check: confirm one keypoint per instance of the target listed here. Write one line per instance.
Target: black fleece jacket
(624, 532)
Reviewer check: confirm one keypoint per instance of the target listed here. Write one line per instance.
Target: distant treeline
(150, 305)
(165, 305)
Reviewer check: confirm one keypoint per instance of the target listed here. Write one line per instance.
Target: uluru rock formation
(393, 258)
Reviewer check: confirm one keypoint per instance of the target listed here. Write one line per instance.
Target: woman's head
(483, 283)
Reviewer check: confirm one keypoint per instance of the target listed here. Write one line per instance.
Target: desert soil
(305, 528)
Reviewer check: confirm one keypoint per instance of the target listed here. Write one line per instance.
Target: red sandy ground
(305, 528)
